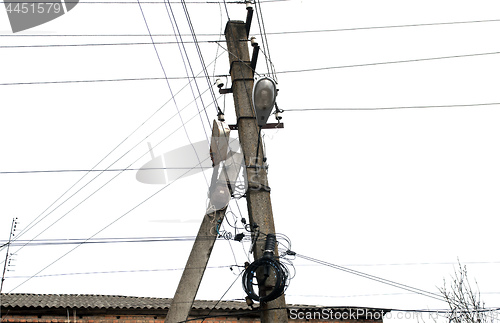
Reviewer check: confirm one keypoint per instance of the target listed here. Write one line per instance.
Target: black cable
(268, 33)
(170, 88)
(273, 269)
(377, 279)
(259, 271)
(98, 189)
(220, 299)
(118, 272)
(381, 27)
(395, 108)
(92, 170)
(99, 44)
(265, 44)
(101, 35)
(144, 2)
(282, 72)
(200, 56)
(182, 48)
(386, 63)
(58, 242)
(103, 80)
(99, 231)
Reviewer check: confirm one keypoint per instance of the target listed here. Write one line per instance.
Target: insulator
(253, 41)
(270, 244)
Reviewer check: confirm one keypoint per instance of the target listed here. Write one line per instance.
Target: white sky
(399, 194)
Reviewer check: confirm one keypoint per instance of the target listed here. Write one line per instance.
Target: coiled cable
(267, 267)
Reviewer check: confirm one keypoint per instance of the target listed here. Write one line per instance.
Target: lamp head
(264, 97)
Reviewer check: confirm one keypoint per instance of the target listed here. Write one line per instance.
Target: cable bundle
(269, 267)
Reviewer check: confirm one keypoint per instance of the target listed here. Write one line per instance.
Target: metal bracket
(248, 22)
(226, 91)
(279, 125)
(258, 187)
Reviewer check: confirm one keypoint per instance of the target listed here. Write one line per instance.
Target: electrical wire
(185, 59)
(171, 91)
(200, 56)
(144, 2)
(375, 278)
(182, 49)
(92, 170)
(382, 27)
(99, 231)
(102, 186)
(104, 35)
(118, 272)
(114, 149)
(386, 63)
(100, 44)
(59, 242)
(263, 34)
(220, 299)
(277, 72)
(268, 33)
(102, 80)
(396, 108)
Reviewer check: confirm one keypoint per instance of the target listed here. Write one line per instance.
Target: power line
(386, 63)
(116, 272)
(103, 80)
(126, 138)
(395, 284)
(100, 35)
(169, 86)
(185, 59)
(100, 44)
(377, 279)
(279, 72)
(383, 27)
(24, 231)
(144, 2)
(224, 294)
(57, 242)
(94, 170)
(395, 108)
(268, 33)
(99, 231)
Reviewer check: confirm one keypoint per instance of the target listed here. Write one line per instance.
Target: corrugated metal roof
(114, 302)
(53, 301)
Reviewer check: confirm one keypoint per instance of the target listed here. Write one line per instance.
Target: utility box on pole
(258, 194)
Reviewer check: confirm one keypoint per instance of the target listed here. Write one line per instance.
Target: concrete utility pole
(195, 268)
(207, 234)
(258, 193)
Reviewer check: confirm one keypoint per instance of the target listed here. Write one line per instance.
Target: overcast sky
(396, 193)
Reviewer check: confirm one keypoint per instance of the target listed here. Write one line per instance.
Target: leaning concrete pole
(195, 268)
(258, 194)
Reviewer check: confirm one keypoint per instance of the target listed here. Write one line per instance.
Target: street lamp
(263, 97)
